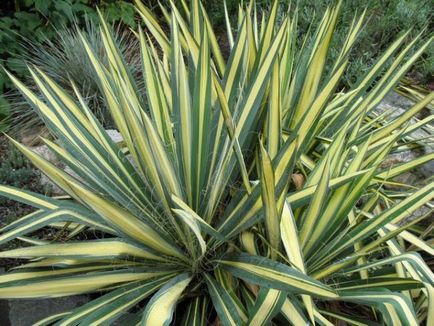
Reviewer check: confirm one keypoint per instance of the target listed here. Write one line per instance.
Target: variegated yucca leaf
(247, 189)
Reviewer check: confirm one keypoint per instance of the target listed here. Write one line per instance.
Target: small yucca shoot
(196, 208)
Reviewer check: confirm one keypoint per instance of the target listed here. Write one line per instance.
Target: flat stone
(4, 313)
(34, 138)
(115, 135)
(407, 178)
(45, 152)
(4, 307)
(24, 312)
(423, 210)
(27, 312)
(400, 157)
(427, 170)
(50, 186)
(126, 319)
(71, 172)
(398, 101)
(395, 105)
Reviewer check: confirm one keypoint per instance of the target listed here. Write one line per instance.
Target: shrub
(385, 20)
(197, 207)
(38, 22)
(65, 60)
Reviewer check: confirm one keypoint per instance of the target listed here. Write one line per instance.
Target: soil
(12, 210)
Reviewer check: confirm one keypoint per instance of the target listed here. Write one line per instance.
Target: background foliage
(385, 20)
(40, 20)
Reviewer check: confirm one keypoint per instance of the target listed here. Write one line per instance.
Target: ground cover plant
(244, 191)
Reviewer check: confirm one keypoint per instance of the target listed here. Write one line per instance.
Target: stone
(115, 135)
(49, 186)
(407, 178)
(4, 313)
(46, 153)
(396, 105)
(4, 307)
(396, 101)
(424, 171)
(423, 210)
(34, 138)
(126, 319)
(23, 312)
(427, 170)
(71, 172)
(398, 158)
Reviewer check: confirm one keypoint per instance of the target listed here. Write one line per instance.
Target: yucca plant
(247, 191)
